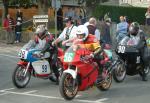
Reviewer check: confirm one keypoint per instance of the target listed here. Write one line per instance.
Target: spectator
(105, 31)
(147, 15)
(60, 19)
(107, 17)
(8, 25)
(18, 27)
(76, 18)
(91, 25)
(122, 29)
(82, 15)
(70, 13)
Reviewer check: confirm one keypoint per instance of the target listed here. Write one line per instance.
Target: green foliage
(133, 13)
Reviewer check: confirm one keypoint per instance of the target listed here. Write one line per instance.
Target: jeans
(10, 37)
(18, 35)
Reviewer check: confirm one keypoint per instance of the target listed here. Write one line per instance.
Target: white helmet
(81, 29)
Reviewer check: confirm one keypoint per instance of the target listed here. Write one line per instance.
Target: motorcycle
(128, 62)
(82, 72)
(33, 63)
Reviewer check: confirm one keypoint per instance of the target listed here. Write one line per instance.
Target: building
(136, 3)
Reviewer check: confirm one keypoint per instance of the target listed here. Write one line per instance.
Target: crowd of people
(13, 27)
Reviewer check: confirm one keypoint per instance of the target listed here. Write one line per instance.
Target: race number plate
(68, 57)
(22, 54)
(121, 49)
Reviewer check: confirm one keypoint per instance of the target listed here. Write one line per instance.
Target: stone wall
(25, 36)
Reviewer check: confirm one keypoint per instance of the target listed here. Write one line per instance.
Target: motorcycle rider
(43, 41)
(69, 32)
(88, 41)
(138, 36)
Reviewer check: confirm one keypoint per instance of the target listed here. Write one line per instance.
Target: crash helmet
(82, 31)
(134, 28)
(41, 31)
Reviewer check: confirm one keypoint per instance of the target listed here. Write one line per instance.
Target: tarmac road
(132, 90)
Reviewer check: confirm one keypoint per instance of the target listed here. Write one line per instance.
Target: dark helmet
(67, 19)
(41, 31)
(134, 28)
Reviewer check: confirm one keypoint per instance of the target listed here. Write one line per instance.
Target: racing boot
(144, 76)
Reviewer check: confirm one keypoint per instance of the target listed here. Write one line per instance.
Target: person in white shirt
(69, 32)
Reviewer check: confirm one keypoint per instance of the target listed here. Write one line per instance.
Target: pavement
(3, 43)
(10, 48)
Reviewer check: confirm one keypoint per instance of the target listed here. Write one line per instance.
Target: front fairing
(27, 55)
(73, 54)
(128, 45)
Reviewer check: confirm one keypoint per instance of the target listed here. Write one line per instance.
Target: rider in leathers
(43, 41)
(87, 41)
(139, 42)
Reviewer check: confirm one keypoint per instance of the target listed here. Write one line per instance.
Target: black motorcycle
(128, 62)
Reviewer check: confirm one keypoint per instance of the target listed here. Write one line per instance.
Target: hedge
(133, 13)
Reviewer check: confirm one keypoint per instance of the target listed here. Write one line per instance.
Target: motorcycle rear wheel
(18, 78)
(68, 86)
(119, 73)
(105, 84)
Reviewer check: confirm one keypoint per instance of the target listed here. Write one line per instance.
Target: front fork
(73, 73)
(27, 68)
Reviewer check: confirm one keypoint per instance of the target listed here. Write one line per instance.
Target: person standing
(8, 25)
(18, 27)
(70, 13)
(105, 31)
(60, 19)
(91, 25)
(147, 15)
(122, 29)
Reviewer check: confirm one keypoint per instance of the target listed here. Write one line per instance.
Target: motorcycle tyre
(101, 86)
(62, 87)
(117, 78)
(14, 77)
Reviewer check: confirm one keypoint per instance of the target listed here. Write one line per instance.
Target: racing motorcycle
(128, 61)
(82, 72)
(33, 63)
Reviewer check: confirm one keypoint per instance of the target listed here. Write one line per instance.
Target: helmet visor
(80, 36)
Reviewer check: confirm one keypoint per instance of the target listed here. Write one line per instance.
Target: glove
(64, 43)
(53, 43)
(92, 55)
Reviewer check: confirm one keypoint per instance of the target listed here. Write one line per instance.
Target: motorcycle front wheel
(18, 78)
(105, 84)
(119, 72)
(68, 86)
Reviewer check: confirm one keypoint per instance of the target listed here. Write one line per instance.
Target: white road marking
(8, 56)
(33, 91)
(52, 97)
(3, 94)
(3, 90)
(101, 100)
